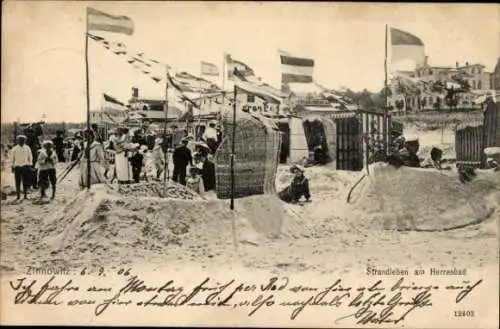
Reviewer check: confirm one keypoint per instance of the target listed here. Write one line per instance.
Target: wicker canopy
(257, 147)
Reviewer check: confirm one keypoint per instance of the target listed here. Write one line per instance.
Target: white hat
(411, 138)
(47, 142)
(21, 137)
(296, 167)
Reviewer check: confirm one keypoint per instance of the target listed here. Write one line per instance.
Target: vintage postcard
(277, 164)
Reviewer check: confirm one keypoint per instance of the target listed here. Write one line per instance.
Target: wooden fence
(472, 138)
(492, 125)
(352, 151)
(469, 145)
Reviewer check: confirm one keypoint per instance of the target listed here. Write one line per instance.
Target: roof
(325, 109)
(343, 115)
(304, 88)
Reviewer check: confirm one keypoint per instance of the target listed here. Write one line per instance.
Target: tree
(437, 87)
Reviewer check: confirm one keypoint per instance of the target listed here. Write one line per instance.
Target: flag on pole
(114, 109)
(405, 45)
(244, 71)
(100, 21)
(209, 69)
(295, 69)
(253, 89)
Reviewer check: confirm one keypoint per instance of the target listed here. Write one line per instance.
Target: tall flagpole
(88, 95)
(165, 155)
(199, 113)
(386, 107)
(233, 149)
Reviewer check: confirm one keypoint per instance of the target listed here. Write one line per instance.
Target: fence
(469, 145)
(492, 125)
(352, 152)
(472, 138)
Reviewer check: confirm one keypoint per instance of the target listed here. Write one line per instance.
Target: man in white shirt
(22, 159)
(210, 137)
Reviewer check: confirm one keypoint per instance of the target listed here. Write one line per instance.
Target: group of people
(134, 154)
(22, 167)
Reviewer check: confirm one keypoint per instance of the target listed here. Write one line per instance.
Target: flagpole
(165, 155)
(199, 114)
(88, 95)
(233, 149)
(386, 107)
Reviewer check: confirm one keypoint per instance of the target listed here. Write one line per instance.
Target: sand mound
(426, 200)
(104, 223)
(156, 189)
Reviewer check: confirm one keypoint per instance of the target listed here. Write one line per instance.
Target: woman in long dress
(122, 164)
(97, 162)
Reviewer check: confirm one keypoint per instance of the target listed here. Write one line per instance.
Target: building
(495, 77)
(424, 76)
(152, 109)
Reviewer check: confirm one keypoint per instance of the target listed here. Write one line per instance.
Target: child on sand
(194, 181)
(299, 187)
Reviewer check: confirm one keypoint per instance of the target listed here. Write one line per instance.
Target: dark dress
(208, 175)
(59, 148)
(298, 187)
(181, 158)
(136, 162)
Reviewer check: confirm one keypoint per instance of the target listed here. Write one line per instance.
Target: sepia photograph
(273, 164)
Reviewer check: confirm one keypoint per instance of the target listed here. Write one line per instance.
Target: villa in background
(426, 96)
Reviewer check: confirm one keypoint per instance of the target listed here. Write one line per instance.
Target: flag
(254, 89)
(114, 109)
(406, 46)
(244, 71)
(100, 21)
(209, 69)
(296, 69)
(181, 89)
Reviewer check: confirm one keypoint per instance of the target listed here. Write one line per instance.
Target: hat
(21, 137)
(143, 148)
(411, 138)
(296, 167)
(47, 142)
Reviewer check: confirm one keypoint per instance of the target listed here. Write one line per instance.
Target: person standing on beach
(58, 142)
(210, 136)
(158, 157)
(207, 172)
(22, 159)
(97, 161)
(182, 158)
(46, 164)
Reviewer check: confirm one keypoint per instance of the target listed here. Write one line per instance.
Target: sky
(43, 62)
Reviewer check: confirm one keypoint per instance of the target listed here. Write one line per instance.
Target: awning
(343, 115)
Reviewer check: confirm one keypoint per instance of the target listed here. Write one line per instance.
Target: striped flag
(209, 69)
(296, 69)
(100, 21)
(406, 46)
